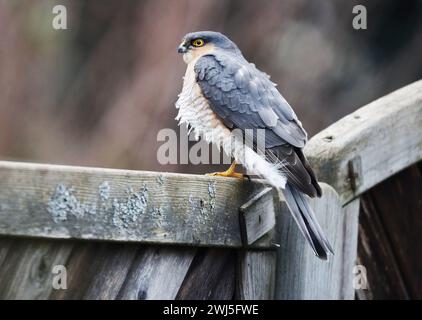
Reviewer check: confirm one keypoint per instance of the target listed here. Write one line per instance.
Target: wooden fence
(147, 235)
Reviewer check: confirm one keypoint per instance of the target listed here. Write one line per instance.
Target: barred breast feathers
(196, 113)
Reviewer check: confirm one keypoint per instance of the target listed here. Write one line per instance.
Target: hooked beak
(182, 48)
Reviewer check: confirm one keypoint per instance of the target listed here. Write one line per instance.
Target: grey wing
(245, 98)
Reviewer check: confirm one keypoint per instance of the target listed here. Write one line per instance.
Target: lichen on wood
(104, 191)
(64, 203)
(128, 210)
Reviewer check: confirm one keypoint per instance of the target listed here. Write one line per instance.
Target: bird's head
(197, 44)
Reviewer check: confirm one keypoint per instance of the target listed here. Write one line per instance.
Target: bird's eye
(198, 43)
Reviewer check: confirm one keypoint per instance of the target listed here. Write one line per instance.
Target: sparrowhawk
(223, 93)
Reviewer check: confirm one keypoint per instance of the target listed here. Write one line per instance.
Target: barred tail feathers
(296, 201)
(306, 220)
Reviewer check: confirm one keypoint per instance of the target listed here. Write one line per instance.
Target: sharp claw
(230, 172)
(229, 175)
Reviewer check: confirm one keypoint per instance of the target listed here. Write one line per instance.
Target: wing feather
(245, 98)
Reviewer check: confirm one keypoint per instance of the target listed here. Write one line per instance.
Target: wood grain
(26, 269)
(106, 271)
(375, 254)
(370, 144)
(157, 273)
(256, 275)
(131, 206)
(211, 276)
(257, 216)
(300, 275)
(390, 240)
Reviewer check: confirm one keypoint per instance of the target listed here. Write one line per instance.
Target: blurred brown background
(98, 93)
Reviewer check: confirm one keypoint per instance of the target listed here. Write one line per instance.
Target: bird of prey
(222, 94)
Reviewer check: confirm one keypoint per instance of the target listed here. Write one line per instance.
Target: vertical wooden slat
(26, 271)
(5, 245)
(157, 273)
(211, 276)
(125, 271)
(349, 250)
(255, 275)
(300, 275)
(390, 240)
(375, 254)
(96, 270)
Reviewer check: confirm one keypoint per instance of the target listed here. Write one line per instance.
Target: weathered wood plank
(124, 271)
(157, 273)
(106, 204)
(255, 276)
(211, 276)
(371, 144)
(390, 239)
(404, 229)
(257, 216)
(300, 275)
(349, 249)
(27, 268)
(95, 270)
(375, 254)
(5, 245)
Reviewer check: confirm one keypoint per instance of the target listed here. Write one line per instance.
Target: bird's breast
(195, 111)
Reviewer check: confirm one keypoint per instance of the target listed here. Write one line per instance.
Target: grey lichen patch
(64, 202)
(200, 212)
(202, 206)
(157, 213)
(196, 204)
(104, 191)
(203, 218)
(90, 208)
(212, 193)
(4, 207)
(128, 210)
(160, 179)
(191, 201)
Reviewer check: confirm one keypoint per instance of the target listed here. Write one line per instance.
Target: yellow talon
(230, 172)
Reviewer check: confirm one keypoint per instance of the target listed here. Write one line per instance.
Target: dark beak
(182, 48)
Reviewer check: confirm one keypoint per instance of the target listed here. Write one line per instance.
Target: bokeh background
(98, 93)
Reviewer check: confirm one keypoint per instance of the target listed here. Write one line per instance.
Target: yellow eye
(198, 43)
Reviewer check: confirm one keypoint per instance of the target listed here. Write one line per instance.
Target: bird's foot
(227, 174)
(230, 172)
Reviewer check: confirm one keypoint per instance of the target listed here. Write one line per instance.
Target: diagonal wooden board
(371, 144)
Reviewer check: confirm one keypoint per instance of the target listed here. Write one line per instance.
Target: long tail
(306, 220)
